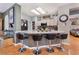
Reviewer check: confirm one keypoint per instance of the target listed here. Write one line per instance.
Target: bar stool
(37, 37)
(21, 38)
(61, 37)
(50, 37)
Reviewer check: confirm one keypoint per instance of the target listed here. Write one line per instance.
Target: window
(74, 11)
(11, 19)
(6, 23)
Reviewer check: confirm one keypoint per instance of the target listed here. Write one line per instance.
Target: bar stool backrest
(62, 36)
(37, 37)
(51, 36)
(19, 36)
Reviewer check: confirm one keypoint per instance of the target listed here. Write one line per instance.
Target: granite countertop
(35, 32)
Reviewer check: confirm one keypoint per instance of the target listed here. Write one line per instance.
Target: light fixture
(25, 24)
(36, 12)
(40, 10)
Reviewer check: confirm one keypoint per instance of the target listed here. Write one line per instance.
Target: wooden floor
(74, 45)
(10, 49)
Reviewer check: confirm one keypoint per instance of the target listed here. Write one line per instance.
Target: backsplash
(47, 28)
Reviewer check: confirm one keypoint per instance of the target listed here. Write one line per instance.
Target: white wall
(25, 16)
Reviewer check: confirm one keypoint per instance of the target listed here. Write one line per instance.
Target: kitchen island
(40, 32)
(31, 43)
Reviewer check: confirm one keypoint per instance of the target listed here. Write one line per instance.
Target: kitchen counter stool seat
(61, 37)
(37, 37)
(50, 37)
(21, 38)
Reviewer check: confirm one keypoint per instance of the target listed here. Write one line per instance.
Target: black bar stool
(21, 38)
(50, 37)
(37, 37)
(61, 37)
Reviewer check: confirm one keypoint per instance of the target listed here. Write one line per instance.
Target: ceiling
(5, 6)
(27, 7)
(47, 7)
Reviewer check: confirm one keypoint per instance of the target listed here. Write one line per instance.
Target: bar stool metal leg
(37, 38)
(37, 50)
(50, 37)
(22, 49)
(50, 49)
(62, 36)
(21, 38)
(60, 47)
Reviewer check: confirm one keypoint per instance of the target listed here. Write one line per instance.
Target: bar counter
(35, 32)
(42, 42)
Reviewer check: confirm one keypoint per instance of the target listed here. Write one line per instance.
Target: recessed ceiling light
(35, 12)
(40, 10)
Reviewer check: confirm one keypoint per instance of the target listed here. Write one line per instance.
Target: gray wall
(61, 26)
(17, 17)
(65, 9)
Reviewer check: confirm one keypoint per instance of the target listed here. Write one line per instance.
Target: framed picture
(74, 21)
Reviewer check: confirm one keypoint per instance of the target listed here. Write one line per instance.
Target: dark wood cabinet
(33, 25)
